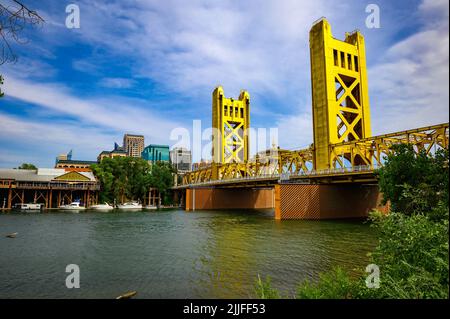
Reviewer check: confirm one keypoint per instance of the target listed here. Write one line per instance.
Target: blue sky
(148, 67)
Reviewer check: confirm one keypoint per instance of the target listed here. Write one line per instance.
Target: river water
(171, 253)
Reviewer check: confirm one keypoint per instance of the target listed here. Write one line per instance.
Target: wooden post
(59, 199)
(51, 199)
(35, 196)
(9, 197)
(46, 198)
(23, 197)
(88, 199)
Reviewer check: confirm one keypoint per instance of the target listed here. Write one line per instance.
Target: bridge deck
(346, 175)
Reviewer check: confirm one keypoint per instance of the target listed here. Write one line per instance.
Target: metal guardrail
(288, 176)
(343, 170)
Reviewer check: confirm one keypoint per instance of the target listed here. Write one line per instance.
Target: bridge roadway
(357, 174)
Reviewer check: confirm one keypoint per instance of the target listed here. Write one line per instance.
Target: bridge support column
(229, 198)
(304, 201)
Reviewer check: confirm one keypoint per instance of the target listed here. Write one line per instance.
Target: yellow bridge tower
(230, 123)
(340, 98)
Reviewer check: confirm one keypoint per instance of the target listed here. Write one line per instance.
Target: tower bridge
(333, 178)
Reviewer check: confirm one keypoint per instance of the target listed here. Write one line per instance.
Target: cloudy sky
(148, 67)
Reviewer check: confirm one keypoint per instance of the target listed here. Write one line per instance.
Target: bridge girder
(299, 162)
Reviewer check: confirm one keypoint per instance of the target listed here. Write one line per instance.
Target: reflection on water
(171, 254)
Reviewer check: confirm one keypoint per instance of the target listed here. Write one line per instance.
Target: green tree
(27, 166)
(162, 179)
(130, 178)
(415, 182)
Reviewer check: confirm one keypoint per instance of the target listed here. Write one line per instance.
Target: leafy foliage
(412, 255)
(335, 284)
(264, 289)
(415, 183)
(130, 178)
(27, 166)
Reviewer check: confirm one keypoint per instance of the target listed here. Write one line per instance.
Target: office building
(133, 145)
(181, 159)
(156, 153)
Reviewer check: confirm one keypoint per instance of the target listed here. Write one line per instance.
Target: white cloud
(117, 83)
(45, 138)
(295, 132)
(409, 88)
(109, 112)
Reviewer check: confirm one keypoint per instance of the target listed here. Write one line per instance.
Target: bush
(335, 284)
(413, 257)
(264, 289)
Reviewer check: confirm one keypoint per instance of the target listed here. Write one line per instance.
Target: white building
(181, 159)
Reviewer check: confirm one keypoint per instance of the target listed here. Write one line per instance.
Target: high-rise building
(133, 145)
(156, 153)
(181, 159)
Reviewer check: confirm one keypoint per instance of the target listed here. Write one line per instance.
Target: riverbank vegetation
(129, 178)
(412, 253)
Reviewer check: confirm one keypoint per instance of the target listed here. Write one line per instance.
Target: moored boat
(130, 205)
(72, 206)
(104, 206)
(29, 206)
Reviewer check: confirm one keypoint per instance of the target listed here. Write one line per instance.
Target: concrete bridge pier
(205, 198)
(326, 201)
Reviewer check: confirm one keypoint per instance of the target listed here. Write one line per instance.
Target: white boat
(151, 207)
(31, 206)
(73, 205)
(130, 205)
(105, 206)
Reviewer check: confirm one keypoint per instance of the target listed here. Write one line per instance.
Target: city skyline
(82, 88)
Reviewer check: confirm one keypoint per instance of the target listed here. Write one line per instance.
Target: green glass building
(156, 153)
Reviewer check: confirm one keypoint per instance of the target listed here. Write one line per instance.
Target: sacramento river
(171, 253)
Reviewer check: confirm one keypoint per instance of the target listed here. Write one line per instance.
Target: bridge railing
(288, 176)
(331, 171)
(364, 155)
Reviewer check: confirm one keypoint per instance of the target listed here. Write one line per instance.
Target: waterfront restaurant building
(49, 186)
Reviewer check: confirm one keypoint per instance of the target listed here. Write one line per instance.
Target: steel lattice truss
(278, 162)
